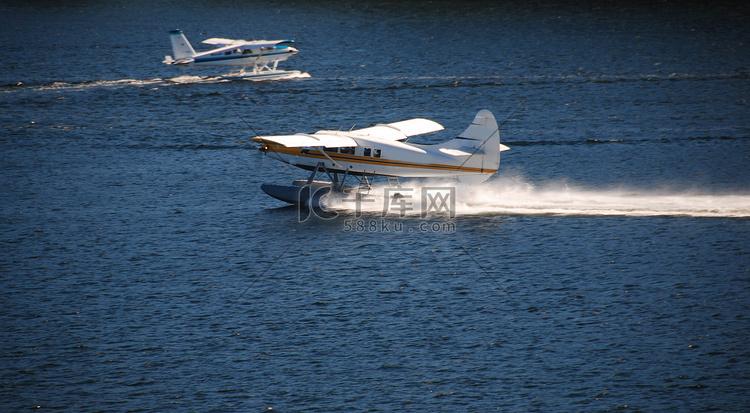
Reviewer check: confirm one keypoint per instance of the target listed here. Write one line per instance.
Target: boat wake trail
(148, 83)
(523, 198)
(518, 197)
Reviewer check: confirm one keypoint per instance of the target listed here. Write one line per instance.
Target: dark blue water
(606, 266)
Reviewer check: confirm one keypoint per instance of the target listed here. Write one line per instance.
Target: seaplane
(382, 150)
(263, 56)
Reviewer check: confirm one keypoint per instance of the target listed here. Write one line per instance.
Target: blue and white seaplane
(382, 150)
(263, 56)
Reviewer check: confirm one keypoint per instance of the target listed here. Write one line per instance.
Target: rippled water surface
(605, 267)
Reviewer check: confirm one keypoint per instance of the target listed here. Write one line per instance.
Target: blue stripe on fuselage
(210, 58)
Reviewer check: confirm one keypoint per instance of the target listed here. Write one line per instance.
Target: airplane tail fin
(180, 45)
(482, 141)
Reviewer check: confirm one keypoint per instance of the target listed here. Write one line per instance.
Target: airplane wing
(219, 50)
(245, 43)
(302, 140)
(223, 41)
(401, 130)
(267, 43)
(454, 152)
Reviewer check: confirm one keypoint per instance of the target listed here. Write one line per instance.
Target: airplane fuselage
(381, 157)
(247, 56)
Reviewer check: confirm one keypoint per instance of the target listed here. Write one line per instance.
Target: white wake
(516, 196)
(148, 83)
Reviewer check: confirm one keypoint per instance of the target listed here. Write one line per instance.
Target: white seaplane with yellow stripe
(382, 150)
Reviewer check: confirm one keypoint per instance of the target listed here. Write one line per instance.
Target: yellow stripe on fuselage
(314, 154)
